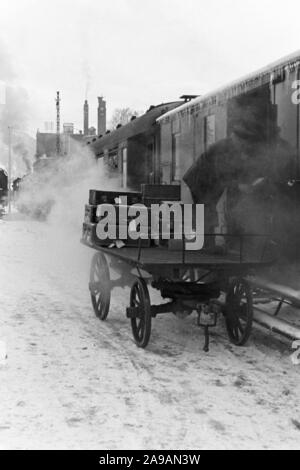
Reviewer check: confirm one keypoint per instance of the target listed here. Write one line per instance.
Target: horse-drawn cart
(201, 281)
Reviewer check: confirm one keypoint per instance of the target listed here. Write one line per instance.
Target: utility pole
(9, 169)
(58, 149)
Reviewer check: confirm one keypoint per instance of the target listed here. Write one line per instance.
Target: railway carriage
(267, 98)
(267, 105)
(160, 146)
(131, 151)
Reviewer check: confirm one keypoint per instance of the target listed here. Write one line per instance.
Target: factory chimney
(85, 118)
(101, 115)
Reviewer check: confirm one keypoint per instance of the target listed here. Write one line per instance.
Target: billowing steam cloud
(87, 76)
(58, 190)
(6, 69)
(13, 113)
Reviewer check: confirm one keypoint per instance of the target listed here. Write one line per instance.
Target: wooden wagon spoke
(99, 300)
(239, 310)
(100, 286)
(240, 327)
(141, 324)
(236, 332)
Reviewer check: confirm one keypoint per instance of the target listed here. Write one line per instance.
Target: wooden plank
(161, 192)
(276, 324)
(279, 290)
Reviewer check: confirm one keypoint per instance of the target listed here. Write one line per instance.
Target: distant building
(92, 131)
(101, 116)
(46, 142)
(49, 126)
(68, 128)
(86, 118)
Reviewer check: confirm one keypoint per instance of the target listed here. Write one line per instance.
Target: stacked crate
(109, 197)
(121, 201)
(158, 193)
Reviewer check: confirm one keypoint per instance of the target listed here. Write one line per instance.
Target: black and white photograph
(149, 228)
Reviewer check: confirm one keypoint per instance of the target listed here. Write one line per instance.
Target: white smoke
(60, 191)
(14, 112)
(59, 188)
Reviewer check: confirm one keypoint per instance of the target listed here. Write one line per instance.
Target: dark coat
(225, 166)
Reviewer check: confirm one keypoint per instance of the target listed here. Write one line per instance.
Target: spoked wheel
(239, 311)
(100, 285)
(141, 324)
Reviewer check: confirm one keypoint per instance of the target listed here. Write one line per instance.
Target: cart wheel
(239, 311)
(100, 286)
(141, 325)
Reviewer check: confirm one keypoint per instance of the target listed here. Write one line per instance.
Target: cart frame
(189, 280)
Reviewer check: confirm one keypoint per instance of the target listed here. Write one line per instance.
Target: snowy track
(71, 381)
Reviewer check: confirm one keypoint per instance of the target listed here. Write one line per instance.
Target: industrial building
(47, 144)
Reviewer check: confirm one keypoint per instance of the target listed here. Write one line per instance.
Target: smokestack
(58, 148)
(85, 118)
(101, 115)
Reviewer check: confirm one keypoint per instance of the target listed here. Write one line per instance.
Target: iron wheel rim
(141, 326)
(239, 312)
(100, 286)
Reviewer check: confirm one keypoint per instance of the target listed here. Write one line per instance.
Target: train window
(124, 167)
(175, 158)
(209, 131)
(113, 160)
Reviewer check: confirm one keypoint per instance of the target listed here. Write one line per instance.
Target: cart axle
(137, 312)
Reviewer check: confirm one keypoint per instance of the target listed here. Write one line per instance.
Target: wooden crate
(89, 235)
(109, 197)
(120, 211)
(155, 193)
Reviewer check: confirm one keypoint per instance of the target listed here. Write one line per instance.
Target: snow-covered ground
(71, 381)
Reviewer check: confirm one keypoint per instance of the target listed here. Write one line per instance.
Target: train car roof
(237, 87)
(135, 127)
